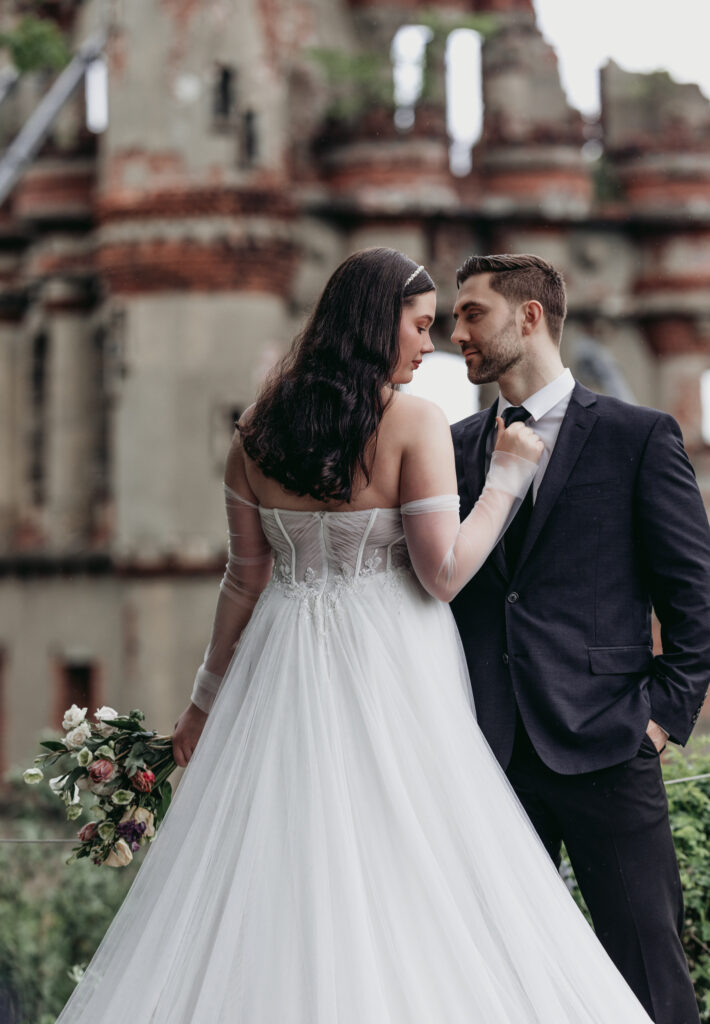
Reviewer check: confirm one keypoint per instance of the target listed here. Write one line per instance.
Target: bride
(343, 847)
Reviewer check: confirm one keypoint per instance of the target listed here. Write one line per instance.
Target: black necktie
(515, 534)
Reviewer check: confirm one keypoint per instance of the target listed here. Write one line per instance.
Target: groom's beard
(504, 351)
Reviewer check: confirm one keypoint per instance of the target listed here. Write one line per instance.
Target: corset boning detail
(321, 554)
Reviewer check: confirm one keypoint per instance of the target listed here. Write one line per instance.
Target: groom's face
(486, 331)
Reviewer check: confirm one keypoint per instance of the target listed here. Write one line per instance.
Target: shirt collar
(539, 404)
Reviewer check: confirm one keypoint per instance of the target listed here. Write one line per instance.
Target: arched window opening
(464, 96)
(250, 139)
(38, 418)
(96, 94)
(408, 55)
(77, 682)
(225, 92)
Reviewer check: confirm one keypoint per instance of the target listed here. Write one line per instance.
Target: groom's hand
(658, 736)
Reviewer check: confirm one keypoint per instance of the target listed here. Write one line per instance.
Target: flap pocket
(611, 661)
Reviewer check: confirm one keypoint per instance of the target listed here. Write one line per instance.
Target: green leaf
(166, 795)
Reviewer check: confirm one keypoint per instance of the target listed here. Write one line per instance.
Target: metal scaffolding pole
(8, 78)
(23, 148)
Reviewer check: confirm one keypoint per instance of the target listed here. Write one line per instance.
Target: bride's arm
(445, 553)
(248, 570)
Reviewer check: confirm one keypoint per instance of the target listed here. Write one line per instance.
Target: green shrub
(689, 804)
(52, 917)
(35, 44)
(689, 807)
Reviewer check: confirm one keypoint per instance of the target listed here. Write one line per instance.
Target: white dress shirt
(547, 408)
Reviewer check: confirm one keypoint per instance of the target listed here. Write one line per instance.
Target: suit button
(506, 659)
(512, 598)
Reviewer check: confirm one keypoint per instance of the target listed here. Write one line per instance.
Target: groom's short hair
(520, 277)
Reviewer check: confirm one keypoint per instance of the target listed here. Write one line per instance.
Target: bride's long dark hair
(315, 422)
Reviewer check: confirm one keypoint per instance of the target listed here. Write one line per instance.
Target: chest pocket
(598, 490)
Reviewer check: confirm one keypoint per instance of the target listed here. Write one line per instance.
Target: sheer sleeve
(247, 573)
(446, 554)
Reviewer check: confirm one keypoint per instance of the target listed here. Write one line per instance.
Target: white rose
(32, 776)
(73, 812)
(72, 797)
(78, 736)
(73, 717)
(57, 784)
(104, 716)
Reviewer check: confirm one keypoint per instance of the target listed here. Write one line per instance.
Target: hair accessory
(412, 276)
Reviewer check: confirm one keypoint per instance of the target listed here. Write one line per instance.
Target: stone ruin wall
(167, 262)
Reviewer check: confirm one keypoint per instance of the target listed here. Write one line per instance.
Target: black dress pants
(614, 824)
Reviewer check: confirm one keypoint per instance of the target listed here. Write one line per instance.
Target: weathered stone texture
(170, 261)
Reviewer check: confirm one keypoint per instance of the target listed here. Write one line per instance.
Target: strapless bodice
(322, 549)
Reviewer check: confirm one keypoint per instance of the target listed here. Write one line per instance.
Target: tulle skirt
(344, 849)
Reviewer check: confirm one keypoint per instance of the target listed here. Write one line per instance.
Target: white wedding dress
(343, 847)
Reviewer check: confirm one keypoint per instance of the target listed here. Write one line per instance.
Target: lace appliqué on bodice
(320, 557)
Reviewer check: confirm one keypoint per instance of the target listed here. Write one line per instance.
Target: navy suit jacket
(618, 526)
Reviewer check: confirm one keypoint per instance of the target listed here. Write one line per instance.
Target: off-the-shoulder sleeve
(446, 554)
(248, 570)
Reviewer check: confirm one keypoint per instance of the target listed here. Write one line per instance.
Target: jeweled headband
(412, 276)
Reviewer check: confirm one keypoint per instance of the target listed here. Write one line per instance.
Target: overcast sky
(640, 35)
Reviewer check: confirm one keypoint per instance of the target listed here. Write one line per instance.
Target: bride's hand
(518, 440)
(188, 730)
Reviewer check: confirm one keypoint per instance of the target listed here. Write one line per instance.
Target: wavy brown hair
(313, 425)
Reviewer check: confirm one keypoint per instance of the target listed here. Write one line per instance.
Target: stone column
(9, 400)
(70, 430)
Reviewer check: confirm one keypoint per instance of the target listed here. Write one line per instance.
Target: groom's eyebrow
(468, 305)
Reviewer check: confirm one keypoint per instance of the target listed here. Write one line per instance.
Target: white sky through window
(442, 379)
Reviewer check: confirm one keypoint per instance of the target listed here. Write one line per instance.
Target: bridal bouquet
(124, 766)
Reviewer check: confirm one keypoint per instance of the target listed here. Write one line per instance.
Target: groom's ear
(533, 315)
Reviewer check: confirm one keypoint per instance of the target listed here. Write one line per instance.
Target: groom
(557, 624)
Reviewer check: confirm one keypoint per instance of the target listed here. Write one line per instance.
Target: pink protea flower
(143, 781)
(87, 833)
(102, 771)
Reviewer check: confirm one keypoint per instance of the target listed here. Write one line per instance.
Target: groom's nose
(459, 335)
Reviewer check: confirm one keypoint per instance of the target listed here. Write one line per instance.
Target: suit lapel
(577, 425)
(475, 473)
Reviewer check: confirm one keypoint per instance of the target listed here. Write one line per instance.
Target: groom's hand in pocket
(657, 735)
(188, 730)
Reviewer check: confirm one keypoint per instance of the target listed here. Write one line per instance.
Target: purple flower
(131, 831)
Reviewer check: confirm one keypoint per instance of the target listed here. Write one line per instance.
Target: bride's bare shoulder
(238, 462)
(411, 416)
